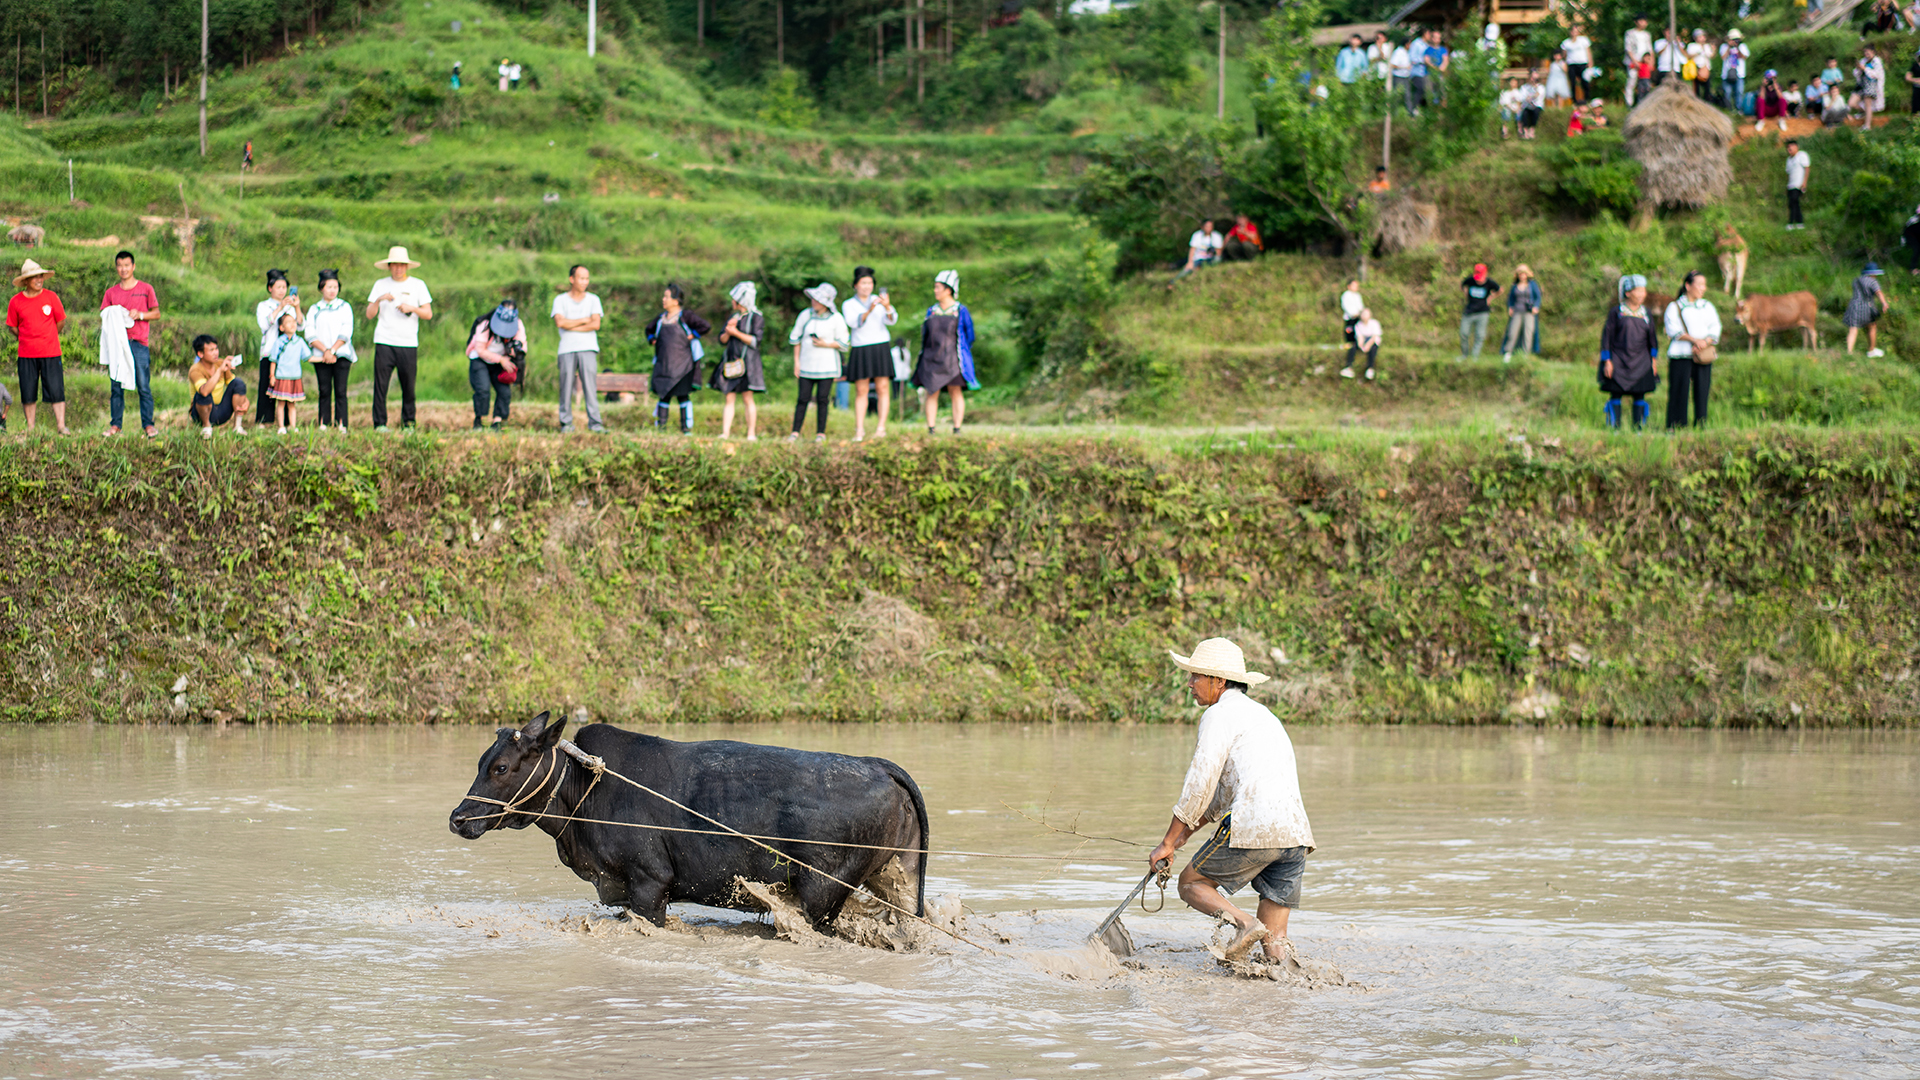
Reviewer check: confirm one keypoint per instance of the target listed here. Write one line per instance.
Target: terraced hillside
(616, 162)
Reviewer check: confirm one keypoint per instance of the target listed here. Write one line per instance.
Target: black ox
(759, 790)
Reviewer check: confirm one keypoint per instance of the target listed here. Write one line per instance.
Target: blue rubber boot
(1611, 410)
(1640, 411)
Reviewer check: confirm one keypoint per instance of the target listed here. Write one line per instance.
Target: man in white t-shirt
(1203, 249)
(1379, 54)
(397, 303)
(1667, 58)
(1798, 166)
(576, 314)
(1639, 43)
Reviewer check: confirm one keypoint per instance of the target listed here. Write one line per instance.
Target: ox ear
(542, 731)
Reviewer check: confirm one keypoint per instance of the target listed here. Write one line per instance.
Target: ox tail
(920, 815)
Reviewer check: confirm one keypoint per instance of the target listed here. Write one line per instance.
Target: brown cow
(1762, 315)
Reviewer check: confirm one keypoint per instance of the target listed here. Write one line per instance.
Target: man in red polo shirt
(35, 316)
(138, 298)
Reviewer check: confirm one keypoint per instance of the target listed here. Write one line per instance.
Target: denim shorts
(1275, 872)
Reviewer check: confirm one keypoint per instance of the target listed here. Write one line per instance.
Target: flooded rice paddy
(192, 903)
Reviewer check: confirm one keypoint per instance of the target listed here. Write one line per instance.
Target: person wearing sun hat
(1864, 308)
(1243, 774)
(36, 316)
(396, 303)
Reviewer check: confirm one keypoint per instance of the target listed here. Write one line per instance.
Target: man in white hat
(1243, 775)
(36, 317)
(397, 304)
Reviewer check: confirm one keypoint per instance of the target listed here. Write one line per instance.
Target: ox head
(1741, 310)
(517, 769)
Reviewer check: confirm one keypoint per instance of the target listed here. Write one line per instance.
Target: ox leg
(647, 898)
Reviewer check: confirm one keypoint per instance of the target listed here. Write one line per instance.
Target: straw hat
(395, 255)
(1220, 658)
(30, 269)
(823, 293)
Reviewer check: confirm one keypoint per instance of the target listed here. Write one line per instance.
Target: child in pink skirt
(289, 386)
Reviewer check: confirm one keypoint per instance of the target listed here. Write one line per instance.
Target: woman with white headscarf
(946, 350)
(1629, 353)
(740, 372)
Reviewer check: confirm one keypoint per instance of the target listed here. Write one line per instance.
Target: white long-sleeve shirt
(329, 321)
(1701, 321)
(1244, 765)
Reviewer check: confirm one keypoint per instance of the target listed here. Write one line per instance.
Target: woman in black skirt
(740, 373)
(869, 315)
(1629, 350)
(674, 334)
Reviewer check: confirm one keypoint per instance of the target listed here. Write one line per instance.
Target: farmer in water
(1243, 775)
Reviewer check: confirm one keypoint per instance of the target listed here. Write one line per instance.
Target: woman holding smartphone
(870, 359)
(281, 298)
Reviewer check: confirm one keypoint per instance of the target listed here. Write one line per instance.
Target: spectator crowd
(313, 345)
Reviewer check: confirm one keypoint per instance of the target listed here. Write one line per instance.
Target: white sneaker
(1876, 352)
(1369, 374)
(206, 433)
(1506, 358)
(238, 428)
(1346, 373)
(283, 431)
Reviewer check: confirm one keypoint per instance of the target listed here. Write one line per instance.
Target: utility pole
(203, 78)
(780, 33)
(593, 23)
(1386, 129)
(920, 51)
(1220, 107)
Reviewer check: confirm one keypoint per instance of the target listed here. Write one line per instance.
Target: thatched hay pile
(1681, 144)
(1405, 223)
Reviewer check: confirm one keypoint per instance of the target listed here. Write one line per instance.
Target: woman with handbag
(1629, 353)
(1693, 343)
(741, 373)
(675, 335)
(1868, 303)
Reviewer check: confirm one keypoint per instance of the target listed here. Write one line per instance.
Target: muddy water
(290, 903)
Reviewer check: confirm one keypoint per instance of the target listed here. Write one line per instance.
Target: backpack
(1689, 71)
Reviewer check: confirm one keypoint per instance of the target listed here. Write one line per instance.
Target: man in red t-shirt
(1243, 242)
(138, 298)
(35, 316)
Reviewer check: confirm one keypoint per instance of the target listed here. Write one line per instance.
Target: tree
(1310, 158)
(1148, 193)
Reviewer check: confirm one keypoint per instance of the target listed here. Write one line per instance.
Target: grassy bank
(1743, 578)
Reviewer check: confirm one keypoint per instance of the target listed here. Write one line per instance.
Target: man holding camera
(496, 355)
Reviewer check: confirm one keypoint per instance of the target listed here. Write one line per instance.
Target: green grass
(1720, 580)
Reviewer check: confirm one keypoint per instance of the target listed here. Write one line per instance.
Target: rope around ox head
(598, 766)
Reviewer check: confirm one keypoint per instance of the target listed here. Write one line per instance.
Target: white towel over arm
(115, 321)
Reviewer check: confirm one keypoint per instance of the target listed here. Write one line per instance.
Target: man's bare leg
(1202, 895)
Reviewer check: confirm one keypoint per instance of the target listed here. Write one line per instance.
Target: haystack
(1405, 223)
(1681, 144)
